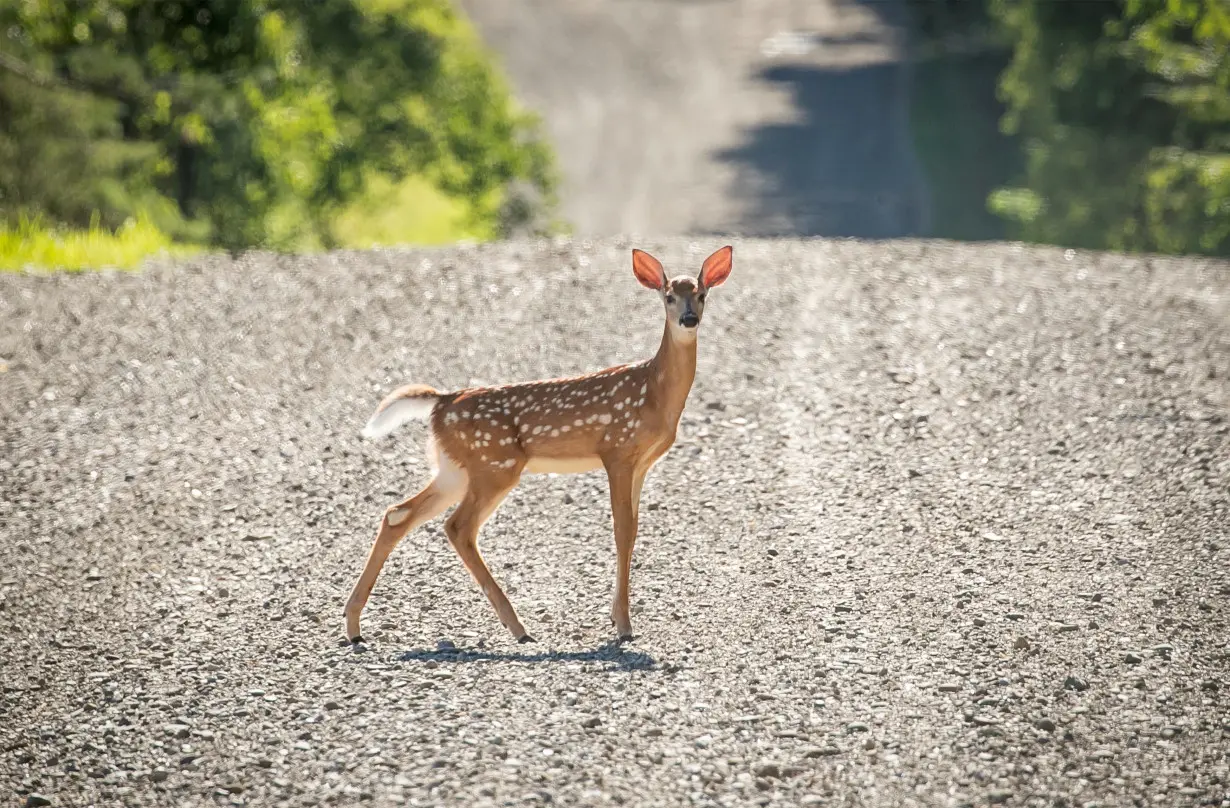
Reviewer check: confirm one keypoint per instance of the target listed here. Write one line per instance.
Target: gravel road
(945, 525)
(757, 117)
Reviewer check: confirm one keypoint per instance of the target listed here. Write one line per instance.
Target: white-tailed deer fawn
(482, 439)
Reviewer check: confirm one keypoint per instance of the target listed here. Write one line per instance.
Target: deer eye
(701, 297)
(670, 298)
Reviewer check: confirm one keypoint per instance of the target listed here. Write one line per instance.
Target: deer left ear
(717, 267)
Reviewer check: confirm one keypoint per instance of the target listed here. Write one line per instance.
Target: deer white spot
(555, 433)
(644, 387)
(450, 418)
(510, 462)
(640, 402)
(605, 418)
(524, 427)
(465, 414)
(537, 429)
(578, 422)
(565, 428)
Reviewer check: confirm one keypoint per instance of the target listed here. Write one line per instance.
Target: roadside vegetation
(128, 126)
(1102, 124)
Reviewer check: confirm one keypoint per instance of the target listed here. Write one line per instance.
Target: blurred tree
(250, 122)
(1124, 108)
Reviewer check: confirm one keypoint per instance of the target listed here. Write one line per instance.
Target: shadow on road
(616, 655)
(842, 167)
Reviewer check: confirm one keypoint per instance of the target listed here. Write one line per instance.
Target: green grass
(954, 118)
(412, 211)
(34, 244)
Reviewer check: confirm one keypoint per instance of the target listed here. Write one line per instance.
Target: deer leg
(625, 487)
(462, 528)
(398, 520)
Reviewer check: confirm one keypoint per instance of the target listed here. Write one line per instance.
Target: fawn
(482, 439)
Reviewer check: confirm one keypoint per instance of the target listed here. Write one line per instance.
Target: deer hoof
(526, 638)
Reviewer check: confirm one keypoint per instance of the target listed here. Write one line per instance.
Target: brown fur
(622, 419)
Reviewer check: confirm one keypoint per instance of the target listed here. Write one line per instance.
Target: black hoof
(623, 638)
(526, 638)
(356, 640)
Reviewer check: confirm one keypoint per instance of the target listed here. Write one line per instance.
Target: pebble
(822, 751)
(36, 801)
(1075, 683)
(768, 770)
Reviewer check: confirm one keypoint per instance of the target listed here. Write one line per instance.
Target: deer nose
(689, 320)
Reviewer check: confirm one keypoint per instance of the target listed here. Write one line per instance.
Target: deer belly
(562, 465)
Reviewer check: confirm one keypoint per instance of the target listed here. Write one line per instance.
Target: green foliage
(33, 243)
(253, 122)
(1124, 109)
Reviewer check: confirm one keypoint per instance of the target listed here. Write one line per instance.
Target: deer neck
(672, 371)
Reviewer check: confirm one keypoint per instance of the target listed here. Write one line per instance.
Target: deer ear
(648, 270)
(717, 267)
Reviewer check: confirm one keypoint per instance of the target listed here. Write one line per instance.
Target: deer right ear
(648, 270)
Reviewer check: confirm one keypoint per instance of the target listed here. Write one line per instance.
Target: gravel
(898, 460)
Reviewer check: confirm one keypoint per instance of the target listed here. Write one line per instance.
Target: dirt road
(944, 526)
(754, 117)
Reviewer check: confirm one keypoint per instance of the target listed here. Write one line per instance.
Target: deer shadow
(613, 653)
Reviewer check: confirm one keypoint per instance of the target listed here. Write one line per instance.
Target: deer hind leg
(481, 500)
(443, 491)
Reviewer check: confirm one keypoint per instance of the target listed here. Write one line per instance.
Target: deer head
(683, 297)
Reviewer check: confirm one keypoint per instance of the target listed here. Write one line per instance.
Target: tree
(252, 122)
(1124, 106)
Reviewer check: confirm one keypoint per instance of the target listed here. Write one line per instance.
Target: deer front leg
(625, 490)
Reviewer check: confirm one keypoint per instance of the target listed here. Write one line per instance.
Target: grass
(954, 119)
(409, 212)
(32, 243)
(412, 211)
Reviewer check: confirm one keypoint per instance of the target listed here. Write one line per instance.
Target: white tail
(622, 419)
(409, 403)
